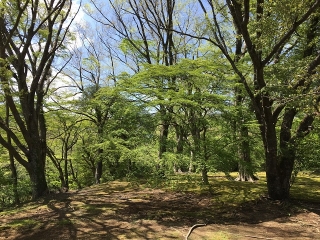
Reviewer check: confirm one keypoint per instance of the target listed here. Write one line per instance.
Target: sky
(62, 82)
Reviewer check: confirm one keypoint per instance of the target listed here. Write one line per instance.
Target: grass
(224, 190)
(22, 223)
(64, 222)
(306, 187)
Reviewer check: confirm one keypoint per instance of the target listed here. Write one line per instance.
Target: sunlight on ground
(135, 210)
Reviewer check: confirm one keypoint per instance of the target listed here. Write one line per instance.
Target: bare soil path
(117, 210)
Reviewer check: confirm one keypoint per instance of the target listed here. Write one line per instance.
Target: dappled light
(159, 119)
(123, 210)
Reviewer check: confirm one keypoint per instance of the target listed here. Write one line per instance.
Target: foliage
(154, 94)
(308, 151)
(6, 184)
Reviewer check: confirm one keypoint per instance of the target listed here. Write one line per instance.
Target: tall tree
(32, 32)
(268, 30)
(63, 135)
(241, 122)
(145, 32)
(196, 97)
(91, 68)
(12, 162)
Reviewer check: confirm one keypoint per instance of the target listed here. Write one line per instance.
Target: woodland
(96, 91)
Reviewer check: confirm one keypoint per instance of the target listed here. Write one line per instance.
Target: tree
(268, 30)
(145, 32)
(195, 98)
(63, 135)
(97, 108)
(91, 68)
(32, 32)
(12, 162)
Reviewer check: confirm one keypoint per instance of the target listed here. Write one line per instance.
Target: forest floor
(123, 210)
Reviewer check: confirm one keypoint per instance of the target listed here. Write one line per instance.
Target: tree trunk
(37, 175)
(164, 131)
(196, 135)
(204, 175)
(191, 166)
(61, 176)
(245, 163)
(74, 175)
(100, 125)
(66, 173)
(98, 172)
(278, 179)
(205, 157)
(56, 163)
(12, 165)
(14, 179)
(38, 152)
(179, 147)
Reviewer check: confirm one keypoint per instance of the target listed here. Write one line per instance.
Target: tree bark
(37, 173)
(12, 164)
(245, 164)
(179, 147)
(164, 132)
(57, 164)
(191, 163)
(98, 172)
(66, 174)
(75, 175)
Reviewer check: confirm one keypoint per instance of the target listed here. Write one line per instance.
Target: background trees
(158, 87)
(144, 30)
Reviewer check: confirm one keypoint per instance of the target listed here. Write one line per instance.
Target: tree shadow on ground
(114, 211)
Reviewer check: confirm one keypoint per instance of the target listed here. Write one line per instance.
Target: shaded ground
(119, 211)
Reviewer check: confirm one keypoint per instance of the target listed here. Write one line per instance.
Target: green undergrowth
(305, 186)
(229, 192)
(21, 224)
(221, 188)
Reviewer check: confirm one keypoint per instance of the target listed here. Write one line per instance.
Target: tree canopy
(150, 88)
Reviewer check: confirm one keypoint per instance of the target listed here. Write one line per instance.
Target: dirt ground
(114, 211)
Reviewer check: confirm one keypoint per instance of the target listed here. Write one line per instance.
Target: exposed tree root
(246, 178)
(194, 227)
